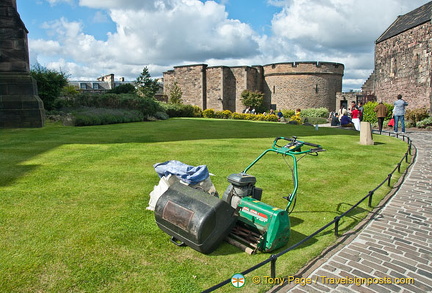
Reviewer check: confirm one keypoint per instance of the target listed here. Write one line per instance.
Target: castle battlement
(307, 67)
(287, 85)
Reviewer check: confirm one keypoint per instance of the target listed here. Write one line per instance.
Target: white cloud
(161, 34)
(168, 34)
(132, 4)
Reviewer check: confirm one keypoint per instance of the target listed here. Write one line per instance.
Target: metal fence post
(337, 225)
(273, 266)
(370, 198)
(389, 179)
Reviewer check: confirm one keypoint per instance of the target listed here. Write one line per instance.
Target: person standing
(381, 112)
(353, 105)
(399, 113)
(342, 111)
(355, 117)
(361, 109)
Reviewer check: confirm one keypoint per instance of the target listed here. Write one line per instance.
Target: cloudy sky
(90, 38)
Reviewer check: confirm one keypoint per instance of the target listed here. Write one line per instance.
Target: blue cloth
(186, 173)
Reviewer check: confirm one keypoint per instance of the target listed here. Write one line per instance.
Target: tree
(146, 86)
(175, 95)
(50, 84)
(126, 88)
(253, 99)
(69, 91)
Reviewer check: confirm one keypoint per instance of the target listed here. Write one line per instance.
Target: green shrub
(161, 116)
(369, 115)
(197, 111)
(178, 110)
(416, 115)
(225, 114)
(315, 112)
(99, 116)
(288, 113)
(424, 123)
(272, 118)
(253, 99)
(147, 106)
(248, 116)
(209, 113)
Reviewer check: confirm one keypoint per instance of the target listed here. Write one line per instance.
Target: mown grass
(73, 212)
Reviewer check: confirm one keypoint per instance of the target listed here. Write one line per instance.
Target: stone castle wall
(285, 85)
(303, 85)
(403, 65)
(192, 81)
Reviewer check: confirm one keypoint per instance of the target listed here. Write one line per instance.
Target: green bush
(253, 99)
(99, 116)
(315, 120)
(425, 123)
(161, 116)
(315, 112)
(288, 113)
(147, 106)
(416, 115)
(209, 113)
(197, 111)
(272, 118)
(369, 115)
(225, 114)
(179, 110)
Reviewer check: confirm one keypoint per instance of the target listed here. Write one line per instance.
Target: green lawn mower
(261, 226)
(196, 219)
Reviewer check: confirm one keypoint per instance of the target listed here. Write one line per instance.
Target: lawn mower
(194, 218)
(261, 226)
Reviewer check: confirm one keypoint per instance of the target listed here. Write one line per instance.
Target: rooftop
(408, 21)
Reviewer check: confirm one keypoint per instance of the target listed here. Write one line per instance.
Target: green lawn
(73, 201)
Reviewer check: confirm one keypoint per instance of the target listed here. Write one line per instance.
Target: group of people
(353, 116)
(350, 117)
(249, 110)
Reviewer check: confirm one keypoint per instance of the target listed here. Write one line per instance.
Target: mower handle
(294, 138)
(312, 144)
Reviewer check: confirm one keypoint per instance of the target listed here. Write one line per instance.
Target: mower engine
(259, 226)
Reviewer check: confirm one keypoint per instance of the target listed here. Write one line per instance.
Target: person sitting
(345, 121)
(335, 120)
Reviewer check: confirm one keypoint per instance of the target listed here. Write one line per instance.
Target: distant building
(106, 83)
(403, 60)
(289, 85)
(100, 85)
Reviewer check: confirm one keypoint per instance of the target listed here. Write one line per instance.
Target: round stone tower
(302, 85)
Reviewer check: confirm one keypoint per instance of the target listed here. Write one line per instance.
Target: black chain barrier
(273, 258)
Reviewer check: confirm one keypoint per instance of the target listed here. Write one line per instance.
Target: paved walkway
(393, 251)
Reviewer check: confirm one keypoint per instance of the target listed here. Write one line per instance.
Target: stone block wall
(214, 81)
(192, 81)
(20, 105)
(403, 65)
(13, 35)
(287, 85)
(303, 85)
